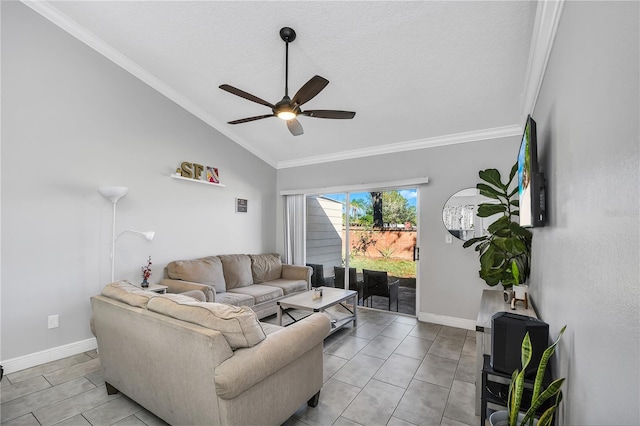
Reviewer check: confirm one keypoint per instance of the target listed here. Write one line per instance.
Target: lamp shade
(113, 193)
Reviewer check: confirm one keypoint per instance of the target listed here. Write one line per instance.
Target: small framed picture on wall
(241, 205)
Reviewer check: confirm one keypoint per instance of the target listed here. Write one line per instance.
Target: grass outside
(394, 267)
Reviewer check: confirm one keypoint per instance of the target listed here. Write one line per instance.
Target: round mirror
(459, 214)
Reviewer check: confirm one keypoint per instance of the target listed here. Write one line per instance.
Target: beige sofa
(201, 363)
(254, 280)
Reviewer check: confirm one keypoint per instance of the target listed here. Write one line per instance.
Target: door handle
(416, 253)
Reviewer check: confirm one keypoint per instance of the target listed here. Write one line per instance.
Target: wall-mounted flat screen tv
(530, 180)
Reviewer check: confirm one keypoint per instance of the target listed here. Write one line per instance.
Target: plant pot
(501, 418)
(520, 291)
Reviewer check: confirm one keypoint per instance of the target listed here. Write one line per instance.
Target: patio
(406, 296)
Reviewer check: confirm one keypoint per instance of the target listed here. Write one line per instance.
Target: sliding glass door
(365, 241)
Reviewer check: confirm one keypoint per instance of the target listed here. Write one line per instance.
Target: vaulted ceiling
(417, 73)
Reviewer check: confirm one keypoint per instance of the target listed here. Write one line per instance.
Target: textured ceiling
(416, 73)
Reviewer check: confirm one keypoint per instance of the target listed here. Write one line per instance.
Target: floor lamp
(113, 194)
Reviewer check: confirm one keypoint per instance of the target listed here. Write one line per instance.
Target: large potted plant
(507, 242)
(512, 416)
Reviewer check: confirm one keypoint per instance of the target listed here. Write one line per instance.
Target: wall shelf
(177, 176)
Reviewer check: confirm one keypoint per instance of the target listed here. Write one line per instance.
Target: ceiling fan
(289, 108)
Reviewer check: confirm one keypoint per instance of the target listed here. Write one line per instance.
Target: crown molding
(52, 14)
(479, 135)
(545, 28)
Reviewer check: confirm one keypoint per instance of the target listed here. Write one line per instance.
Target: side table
(156, 288)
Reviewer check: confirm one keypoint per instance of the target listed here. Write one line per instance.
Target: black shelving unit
(495, 391)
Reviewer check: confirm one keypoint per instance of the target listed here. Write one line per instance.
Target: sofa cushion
(125, 292)
(265, 267)
(237, 299)
(207, 270)
(238, 324)
(237, 270)
(289, 286)
(259, 292)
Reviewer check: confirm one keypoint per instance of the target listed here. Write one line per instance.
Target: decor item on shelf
(512, 416)
(146, 273)
(193, 172)
(507, 241)
(288, 109)
(113, 194)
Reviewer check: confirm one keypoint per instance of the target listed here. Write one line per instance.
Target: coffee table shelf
(330, 297)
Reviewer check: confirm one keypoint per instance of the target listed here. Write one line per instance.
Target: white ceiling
(417, 73)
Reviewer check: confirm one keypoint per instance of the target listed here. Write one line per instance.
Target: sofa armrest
(297, 272)
(249, 366)
(179, 286)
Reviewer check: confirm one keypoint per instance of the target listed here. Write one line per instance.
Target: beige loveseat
(254, 280)
(201, 363)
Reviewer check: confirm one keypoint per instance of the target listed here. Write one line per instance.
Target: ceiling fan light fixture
(286, 115)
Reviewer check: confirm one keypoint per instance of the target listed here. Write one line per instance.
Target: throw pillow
(265, 267)
(207, 270)
(237, 270)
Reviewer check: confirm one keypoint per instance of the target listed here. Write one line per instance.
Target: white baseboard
(27, 361)
(449, 321)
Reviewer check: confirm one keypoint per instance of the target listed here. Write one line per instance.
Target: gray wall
(585, 262)
(71, 122)
(448, 274)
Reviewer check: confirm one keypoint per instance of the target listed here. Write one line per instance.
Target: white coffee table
(330, 297)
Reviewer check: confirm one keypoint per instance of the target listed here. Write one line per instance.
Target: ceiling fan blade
(295, 127)
(310, 89)
(248, 119)
(245, 95)
(329, 113)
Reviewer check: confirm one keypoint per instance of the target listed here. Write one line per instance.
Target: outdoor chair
(376, 283)
(317, 278)
(338, 280)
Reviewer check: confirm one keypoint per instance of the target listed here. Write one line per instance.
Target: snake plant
(516, 387)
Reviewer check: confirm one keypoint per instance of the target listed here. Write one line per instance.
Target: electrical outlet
(52, 321)
(448, 239)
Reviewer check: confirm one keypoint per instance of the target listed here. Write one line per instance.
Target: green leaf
(513, 192)
(472, 241)
(550, 391)
(515, 271)
(501, 223)
(547, 417)
(544, 360)
(492, 176)
(487, 259)
(488, 191)
(518, 390)
(526, 353)
(486, 209)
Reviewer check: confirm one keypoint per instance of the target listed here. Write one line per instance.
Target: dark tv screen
(530, 180)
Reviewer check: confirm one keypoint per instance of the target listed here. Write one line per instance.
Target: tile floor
(389, 370)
